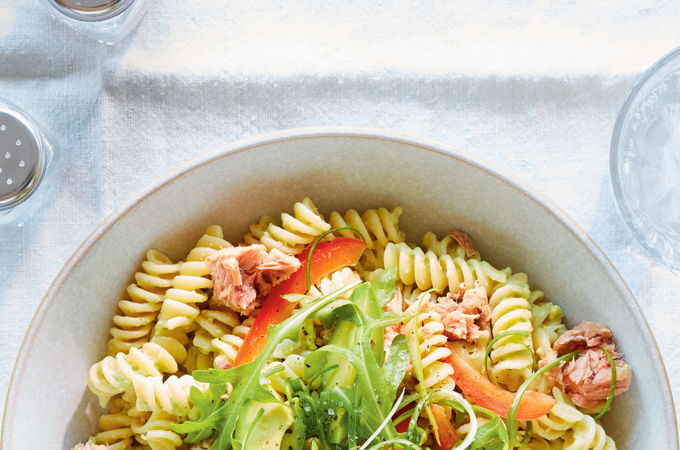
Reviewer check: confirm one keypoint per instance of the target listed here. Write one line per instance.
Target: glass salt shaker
(28, 165)
(107, 21)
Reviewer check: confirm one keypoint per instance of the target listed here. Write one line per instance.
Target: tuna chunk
(464, 315)
(587, 378)
(585, 335)
(275, 267)
(243, 274)
(464, 241)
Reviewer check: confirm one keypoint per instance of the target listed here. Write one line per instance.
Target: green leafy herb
(396, 364)
(612, 387)
(493, 435)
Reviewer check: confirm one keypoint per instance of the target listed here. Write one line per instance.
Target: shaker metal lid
(21, 157)
(91, 10)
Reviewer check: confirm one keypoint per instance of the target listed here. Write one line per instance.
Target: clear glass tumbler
(107, 21)
(645, 160)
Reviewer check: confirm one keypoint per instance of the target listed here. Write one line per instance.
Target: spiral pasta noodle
(576, 431)
(432, 346)
(213, 324)
(546, 319)
(196, 360)
(512, 356)
(586, 434)
(257, 230)
(377, 227)
(410, 294)
(131, 328)
(170, 396)
(154, 430)
(115, 426)
(441, 247)
(174, 341)
(337, 280)
(538, 443)
(426, 270)
(294, 233)
(226, 347)
(179, 307)
(217, 339)
(114, 375)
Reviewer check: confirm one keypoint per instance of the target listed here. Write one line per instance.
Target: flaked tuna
(465, 241)
(585, 335)
(587, 379)
(241, 275)
(464, 315)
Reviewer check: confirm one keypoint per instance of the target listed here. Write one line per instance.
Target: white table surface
(533, 87)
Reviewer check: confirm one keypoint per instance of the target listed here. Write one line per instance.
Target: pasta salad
(338, 333)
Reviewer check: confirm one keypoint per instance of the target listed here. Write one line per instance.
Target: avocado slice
(269, 429)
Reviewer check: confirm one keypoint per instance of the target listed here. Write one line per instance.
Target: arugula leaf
(384, 287)
(396, 364)
(493, 435)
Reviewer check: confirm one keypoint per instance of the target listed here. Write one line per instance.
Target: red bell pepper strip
(402, 427)
(479, 390)
(328, 257)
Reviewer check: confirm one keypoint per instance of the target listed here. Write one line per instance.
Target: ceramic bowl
(48, 405)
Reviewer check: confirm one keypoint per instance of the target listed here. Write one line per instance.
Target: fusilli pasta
(170, 396)
(114, 375)
(154, 430)
(426, 270)
(295, 231)
(377, 227)
(115, 426)
(226, 347)
(179, 307)
(576, 431)
(132, 326)
(512, 356)
(432, 346)
(444, 246)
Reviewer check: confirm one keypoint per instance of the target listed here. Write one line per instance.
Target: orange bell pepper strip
(448, 435)
(482, 392)
(328, 257)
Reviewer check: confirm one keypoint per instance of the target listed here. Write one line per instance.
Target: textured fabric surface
(532, 87)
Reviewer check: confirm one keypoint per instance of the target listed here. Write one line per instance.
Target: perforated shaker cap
(22, 157)
(91, 10)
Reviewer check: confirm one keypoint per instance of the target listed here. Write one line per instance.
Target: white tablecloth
(534, 87)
